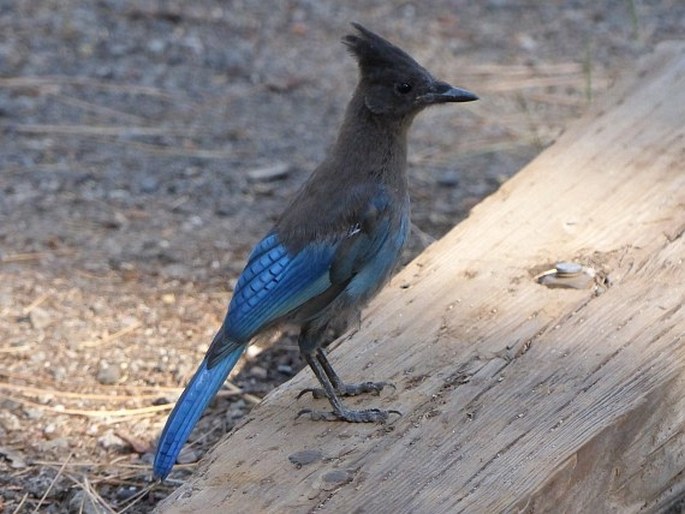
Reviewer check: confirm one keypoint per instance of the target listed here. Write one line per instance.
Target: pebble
(568, 268)
(157, 46)
(80, 502)
(259, 372)
(59, 373)
(285, 369)
(126, 492)
(39, 318)
(38, 357)
(33, 414)
(304, 457)
(187, 456)
(337, 476)
(9, 421)
(148, 184)
(277, 171)
(449, 178)
(59, 443)
(176, 271)
(236, 411)
(108, 375)
(109, 440)
(15, 458)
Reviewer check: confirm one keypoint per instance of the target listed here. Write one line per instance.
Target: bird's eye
(403, 88)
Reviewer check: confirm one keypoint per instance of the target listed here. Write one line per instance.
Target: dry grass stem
(137, 497)
(51, 81)
(104, 130)
(14, 349)
(36, 302)
(99, 109)
(40, 391)
(141, 411)
(22, 257)
(112, 337)
(20, 505)
(94, 496)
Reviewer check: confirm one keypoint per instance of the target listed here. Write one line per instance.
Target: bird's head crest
(376, 53)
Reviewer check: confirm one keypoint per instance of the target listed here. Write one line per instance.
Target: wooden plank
(516, 396)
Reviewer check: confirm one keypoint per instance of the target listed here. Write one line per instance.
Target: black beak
(442, 92)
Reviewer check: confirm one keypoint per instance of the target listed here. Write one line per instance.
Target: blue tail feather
(195, 398)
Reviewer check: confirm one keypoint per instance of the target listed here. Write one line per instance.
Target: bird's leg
(312, 355)
(341, 388)
(340, 412)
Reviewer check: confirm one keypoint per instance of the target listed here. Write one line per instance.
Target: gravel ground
(145, 146)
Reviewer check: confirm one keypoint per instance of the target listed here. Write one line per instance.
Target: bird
(333, 248)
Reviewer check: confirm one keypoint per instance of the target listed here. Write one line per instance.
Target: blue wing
(273, 284)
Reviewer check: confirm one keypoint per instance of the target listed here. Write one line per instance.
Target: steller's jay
(334, 246)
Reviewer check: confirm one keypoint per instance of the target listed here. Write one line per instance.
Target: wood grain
(516, 397)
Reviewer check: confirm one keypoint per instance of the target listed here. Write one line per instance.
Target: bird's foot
(348, 389)
(351, 416)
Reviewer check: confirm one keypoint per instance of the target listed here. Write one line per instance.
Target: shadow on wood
(516, 396)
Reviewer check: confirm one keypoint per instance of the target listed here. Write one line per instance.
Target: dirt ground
(145, 146)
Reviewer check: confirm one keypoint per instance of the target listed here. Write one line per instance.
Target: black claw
(319, 415)
(372, 387)
(317, 393)
(348, 389)
(305, 391)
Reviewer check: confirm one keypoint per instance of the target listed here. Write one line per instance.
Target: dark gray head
(393, 83)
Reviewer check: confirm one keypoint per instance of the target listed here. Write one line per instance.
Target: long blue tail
(197, 394)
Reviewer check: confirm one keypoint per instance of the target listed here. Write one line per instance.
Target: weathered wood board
(516, 397)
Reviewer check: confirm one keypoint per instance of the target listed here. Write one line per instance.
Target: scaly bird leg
(340, 387)
(340, 412)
